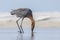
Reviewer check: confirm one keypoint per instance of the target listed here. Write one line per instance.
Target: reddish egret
(23, 13)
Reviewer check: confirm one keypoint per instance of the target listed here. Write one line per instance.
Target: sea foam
(54, 16)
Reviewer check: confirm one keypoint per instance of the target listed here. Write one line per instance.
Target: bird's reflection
(23, 36)
(32, 36)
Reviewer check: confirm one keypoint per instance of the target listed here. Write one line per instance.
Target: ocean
(37, 15)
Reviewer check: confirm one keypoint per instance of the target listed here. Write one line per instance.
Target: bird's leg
(18, 25)
(21, 25)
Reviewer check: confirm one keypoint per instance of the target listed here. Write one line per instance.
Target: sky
(34, 5)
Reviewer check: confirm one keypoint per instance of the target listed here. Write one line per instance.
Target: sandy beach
(12, 23)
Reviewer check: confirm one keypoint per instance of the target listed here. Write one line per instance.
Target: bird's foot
(20, 32)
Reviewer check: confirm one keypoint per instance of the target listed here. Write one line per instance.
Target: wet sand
(41, 33)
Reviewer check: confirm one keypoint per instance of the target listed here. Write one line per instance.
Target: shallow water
(38, 34)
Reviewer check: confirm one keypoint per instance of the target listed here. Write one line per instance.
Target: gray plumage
(22, 13)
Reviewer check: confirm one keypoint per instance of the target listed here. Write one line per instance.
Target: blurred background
(45, 12)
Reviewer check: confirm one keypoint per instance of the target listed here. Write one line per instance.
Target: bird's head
(13, 12)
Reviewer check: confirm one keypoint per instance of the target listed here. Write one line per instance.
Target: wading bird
(23, 13)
